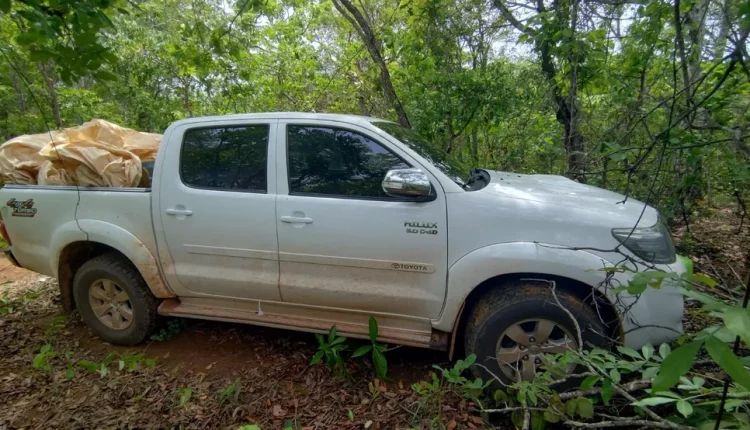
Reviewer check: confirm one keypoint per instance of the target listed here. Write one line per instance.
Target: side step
(435, 340)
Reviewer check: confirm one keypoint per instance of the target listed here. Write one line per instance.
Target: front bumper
(655, 316)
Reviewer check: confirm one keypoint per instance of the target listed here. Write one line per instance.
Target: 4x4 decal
(22, 208)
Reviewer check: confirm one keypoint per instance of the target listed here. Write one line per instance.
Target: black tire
(516, 301)
(115, 268)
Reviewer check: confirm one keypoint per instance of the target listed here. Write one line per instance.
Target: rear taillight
(4, 233)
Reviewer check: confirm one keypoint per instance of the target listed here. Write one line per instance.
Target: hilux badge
(421, 227)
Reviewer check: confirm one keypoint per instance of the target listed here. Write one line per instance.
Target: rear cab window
(231, 158)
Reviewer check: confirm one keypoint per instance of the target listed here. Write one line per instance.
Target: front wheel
(514, 325)
(114, 301)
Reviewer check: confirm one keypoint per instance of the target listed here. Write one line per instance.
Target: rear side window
(337, 162)
(225, 158)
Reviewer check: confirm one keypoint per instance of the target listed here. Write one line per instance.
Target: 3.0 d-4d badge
(418, 227)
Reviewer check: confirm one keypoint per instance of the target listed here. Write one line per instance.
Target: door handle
(296, 220)
(183, 212)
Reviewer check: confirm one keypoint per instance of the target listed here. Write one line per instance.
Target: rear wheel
(514, 325)
(114, 301)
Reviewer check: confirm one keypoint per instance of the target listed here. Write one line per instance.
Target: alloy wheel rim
(110, 304)
(520, 347)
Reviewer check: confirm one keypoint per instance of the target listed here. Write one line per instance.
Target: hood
(561, 191)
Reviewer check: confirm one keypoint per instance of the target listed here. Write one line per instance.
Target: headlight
(652, 244)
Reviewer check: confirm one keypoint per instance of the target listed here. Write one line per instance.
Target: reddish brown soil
(270, 365)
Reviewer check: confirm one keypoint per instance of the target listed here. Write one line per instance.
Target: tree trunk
(721, 40)
(49, 82)
(474, 147)
(566, 114)
(363, 28)
(186, 99)
(20, 96)
(566, 108)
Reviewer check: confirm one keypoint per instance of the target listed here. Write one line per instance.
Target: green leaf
(720, 332)
(39, 360)
(585, 407)
(332, 334)
(500, 396)
(737, 320)
(570, 407)
(551, 416)
(615, 375)
(685, 408)
(362, 350)
(316, 358)
(517, 418)
(629, 352)
(373, 329)
(338, 341)
(703, 279)
(637, 285)
(654, 401)
(469, 361)
(537, 421)
(688, 264)
(589, 382)
(729, 362)
(648, 351)
(607, 390)
(105, 75)
(650, 372)
(709, 302)
(5, 6)
(664, 350)
(381, 365)
(677, 364)
(70, 373)
(89, 365)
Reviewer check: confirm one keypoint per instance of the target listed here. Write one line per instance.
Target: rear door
(217, 210)
(344, 243)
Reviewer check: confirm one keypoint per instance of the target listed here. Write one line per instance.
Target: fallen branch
(635, 422)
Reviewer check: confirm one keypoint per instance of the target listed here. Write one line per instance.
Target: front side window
(337, 162)
(227, 158)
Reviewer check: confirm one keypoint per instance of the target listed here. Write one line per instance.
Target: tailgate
(32, 215)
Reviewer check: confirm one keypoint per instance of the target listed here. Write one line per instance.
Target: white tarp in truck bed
(95, 154)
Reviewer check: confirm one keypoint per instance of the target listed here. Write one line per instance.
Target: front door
(217, 210)
(344, 243)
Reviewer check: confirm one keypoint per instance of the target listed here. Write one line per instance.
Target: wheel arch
(591, 296)
(573, 271)
(103, 239)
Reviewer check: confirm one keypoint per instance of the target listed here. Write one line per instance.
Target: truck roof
(357, 119)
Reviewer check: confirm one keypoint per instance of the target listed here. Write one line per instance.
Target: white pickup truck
(305, 221)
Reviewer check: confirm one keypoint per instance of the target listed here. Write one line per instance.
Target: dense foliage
(649, 98)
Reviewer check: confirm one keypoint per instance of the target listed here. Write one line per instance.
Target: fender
(118, 238)
(516, 257)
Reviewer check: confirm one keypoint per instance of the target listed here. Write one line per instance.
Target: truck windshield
(421, 146)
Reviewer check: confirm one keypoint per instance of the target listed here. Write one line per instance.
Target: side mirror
(407, 183)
